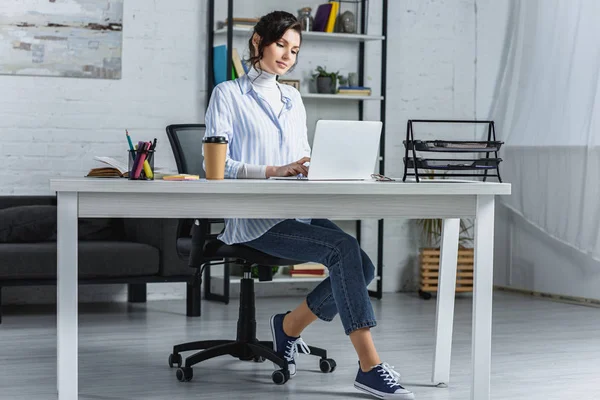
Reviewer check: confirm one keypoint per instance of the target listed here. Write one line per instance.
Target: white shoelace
(390, 376)
(291, 350)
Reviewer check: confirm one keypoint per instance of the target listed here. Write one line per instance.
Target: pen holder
(141, 165)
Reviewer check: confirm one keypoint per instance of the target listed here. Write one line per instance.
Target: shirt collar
(246, 87)
(245, 84)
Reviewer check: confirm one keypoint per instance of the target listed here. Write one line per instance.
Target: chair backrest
(186, 142)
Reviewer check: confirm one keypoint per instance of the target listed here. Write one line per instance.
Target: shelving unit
(343, 37)
(229, 31)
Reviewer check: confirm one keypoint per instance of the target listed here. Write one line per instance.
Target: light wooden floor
(541, 350)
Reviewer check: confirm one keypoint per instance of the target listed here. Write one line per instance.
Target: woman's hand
(292, 169)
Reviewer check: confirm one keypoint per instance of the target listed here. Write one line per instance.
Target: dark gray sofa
(132, 251)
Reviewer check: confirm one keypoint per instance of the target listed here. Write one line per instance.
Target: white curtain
(547, 110)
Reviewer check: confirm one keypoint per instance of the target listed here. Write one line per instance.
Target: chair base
(246, 347)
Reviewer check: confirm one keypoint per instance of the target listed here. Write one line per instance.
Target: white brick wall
(54, 126)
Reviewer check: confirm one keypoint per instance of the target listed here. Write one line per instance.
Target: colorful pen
(129, 140)
(147, 169)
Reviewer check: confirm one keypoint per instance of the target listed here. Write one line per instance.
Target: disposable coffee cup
(215, 151)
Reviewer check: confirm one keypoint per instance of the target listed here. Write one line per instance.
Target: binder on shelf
(220, 64)
(333, 14)
(466, 167)
(322, 17)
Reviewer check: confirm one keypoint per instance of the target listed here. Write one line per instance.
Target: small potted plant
(326, 81)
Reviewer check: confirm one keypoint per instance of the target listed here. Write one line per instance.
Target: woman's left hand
(295, 168)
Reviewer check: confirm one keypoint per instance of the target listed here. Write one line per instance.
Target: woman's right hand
(292, 169)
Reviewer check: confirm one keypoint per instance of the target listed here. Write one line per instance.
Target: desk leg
(481, 351)
(445, 302)
(67, 368)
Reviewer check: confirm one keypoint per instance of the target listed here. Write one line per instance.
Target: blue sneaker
(382, 382)
(286, 346)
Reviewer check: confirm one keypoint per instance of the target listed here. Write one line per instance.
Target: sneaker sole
(271, 322)
(382, 395)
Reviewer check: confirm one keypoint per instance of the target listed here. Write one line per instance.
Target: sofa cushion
(37, 223)
(97, 259)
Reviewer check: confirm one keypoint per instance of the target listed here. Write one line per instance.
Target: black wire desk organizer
(481, 167)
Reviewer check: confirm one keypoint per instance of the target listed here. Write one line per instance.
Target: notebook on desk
(343, 150)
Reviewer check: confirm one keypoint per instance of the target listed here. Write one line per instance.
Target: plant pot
(325, 85)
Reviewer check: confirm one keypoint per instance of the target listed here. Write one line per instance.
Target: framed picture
(74, 38)
(292, 82)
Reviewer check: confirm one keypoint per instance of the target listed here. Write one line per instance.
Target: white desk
(85, 197)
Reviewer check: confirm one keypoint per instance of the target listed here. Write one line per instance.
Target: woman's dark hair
(270, 28)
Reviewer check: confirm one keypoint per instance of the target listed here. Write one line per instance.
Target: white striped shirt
(256, 137)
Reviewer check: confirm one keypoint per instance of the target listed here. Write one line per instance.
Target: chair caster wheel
(327, 365)
(280, 376)
(259, 359)
(424, 295)
(175, 359)
(184, 374)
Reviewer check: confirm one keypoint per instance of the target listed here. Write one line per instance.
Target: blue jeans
(350, 269)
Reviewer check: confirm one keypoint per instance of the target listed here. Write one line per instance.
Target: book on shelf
(242, 20)
(308, 266)
(314, 274)
(308, 270)
(237, 63)
(308, 276)
(111, 169)
(244, 23)
(355, 90)
(241, 26)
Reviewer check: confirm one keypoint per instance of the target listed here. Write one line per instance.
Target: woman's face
(281, 55)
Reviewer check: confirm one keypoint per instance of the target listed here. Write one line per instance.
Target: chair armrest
(162, 234)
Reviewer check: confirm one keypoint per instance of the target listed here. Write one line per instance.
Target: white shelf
(342, 37)
(339, 96)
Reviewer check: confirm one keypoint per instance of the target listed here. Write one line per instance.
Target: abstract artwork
(68, 38)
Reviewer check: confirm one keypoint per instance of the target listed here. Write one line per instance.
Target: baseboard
(551, 296)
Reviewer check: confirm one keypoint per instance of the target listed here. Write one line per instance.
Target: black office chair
(204, 250)
(189, 137)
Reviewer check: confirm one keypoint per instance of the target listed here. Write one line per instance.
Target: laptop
(343, 150)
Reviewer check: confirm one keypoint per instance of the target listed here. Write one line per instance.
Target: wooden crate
(430, 266)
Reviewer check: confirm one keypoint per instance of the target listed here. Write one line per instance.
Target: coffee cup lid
(215, 139)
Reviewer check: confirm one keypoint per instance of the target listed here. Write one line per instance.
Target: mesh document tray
(453, 164)
(450, 146)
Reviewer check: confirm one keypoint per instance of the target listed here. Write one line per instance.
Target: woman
(266, 126)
